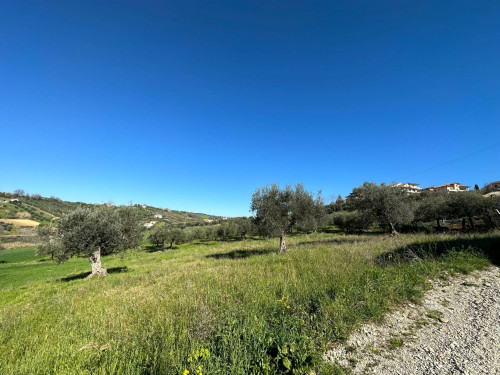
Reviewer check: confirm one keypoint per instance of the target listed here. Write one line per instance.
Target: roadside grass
(216, 308)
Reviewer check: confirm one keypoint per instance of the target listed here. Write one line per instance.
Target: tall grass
(231, 308)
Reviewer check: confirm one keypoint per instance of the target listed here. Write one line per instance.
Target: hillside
(42, 209)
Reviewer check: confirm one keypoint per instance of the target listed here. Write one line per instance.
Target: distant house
(150, 224)
(409, 187)
(493, 186)
(158, 216)
(14, 200)
(454, 186)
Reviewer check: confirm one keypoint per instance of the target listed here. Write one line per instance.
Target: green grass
(232, 308)
(23, 254)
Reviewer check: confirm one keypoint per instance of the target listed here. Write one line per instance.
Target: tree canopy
(389, 205)
(91, 232)
(278, 211)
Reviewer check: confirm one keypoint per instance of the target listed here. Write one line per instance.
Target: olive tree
(277, 211)
(161, 234)
(389, 205)
(175, 235)
(466, 205)
(432, 208)
(91, 232)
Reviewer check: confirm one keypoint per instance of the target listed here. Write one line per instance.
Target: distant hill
(42, 209)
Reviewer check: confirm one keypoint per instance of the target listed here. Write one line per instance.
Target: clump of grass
(434, 314)
(395, 343)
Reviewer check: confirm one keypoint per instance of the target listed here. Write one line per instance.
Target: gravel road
(456, 330)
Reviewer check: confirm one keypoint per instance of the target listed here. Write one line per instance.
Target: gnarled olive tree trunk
(282, 243)
(394, 232)
(95, 263)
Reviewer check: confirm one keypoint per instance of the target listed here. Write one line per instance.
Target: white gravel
(456, 330)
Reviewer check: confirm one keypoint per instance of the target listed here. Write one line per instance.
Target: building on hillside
(409, 187)
(150, 224)
(454, 186)
(493, 186)
(158, 216)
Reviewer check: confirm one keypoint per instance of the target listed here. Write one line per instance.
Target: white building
(409, 187)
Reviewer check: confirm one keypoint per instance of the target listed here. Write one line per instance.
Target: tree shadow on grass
(83, 275)
(334, 241)
(240, 254)
(489, 246)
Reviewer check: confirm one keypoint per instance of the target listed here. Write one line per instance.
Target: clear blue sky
(191, 105)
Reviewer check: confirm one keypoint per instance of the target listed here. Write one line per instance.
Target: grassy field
(211, 308)
(21, 222)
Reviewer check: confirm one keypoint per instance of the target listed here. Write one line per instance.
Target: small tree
(91, 232)
(19, 193)
(465, 205)
(244, 226)
(158, 235)
(277, 211)
(176, 236)
(389, 205)
(273, 211)
(432, 208)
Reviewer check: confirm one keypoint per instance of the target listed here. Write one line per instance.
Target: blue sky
(191, 105)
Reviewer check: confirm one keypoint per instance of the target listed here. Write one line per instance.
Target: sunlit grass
(252, 310)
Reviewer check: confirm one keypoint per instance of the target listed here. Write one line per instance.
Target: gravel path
(456, 330)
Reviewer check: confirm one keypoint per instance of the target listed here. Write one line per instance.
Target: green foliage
(350, 221)
(278, 211)
(160, 235)
(389, 205)
(273, 209)
(432, 208)
(86, 230)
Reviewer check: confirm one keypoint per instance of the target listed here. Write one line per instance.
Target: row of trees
(391, 207)
(95, 231)
(236, 228)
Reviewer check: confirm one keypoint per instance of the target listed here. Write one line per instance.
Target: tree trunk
(439, 224)
(463, 224)
(95, 263)
(471, 221)
(282, 243)
(394, 232)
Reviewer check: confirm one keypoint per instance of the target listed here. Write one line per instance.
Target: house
(409, 187)
(454, 186)
(158, 216)
(493, 186)
(150, 224)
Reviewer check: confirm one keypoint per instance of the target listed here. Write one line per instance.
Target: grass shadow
(489, 246)
(240, 254)
(83, 275)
